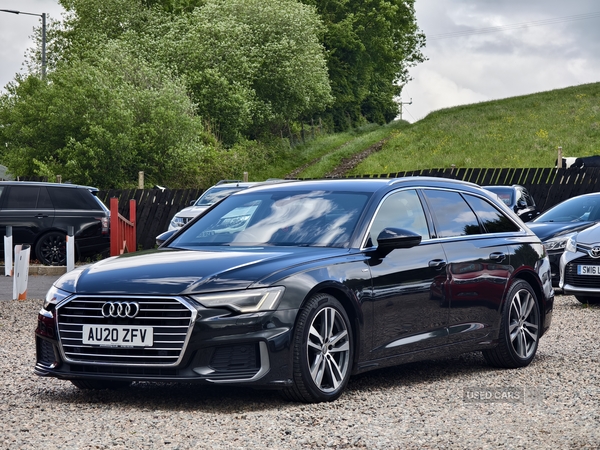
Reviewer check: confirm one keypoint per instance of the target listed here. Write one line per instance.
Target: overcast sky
(537, 45)
(541, 45)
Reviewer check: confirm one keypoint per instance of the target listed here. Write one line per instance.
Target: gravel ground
(553, 403)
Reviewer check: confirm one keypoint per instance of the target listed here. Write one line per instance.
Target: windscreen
(278, 218)
(578, 209)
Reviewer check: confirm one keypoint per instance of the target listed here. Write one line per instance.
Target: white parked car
(209, 197)
(580, 266)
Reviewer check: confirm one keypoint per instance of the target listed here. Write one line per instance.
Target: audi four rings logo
(120, 309)
(595, 252)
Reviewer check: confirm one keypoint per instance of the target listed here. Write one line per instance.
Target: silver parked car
(580, 266)
(208, 198)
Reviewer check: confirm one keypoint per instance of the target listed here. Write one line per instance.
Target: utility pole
(43, 16)
(404, 103)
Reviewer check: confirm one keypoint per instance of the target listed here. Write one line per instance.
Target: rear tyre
(97, 385)
(51, 249)
(519, 330)
(323, 351)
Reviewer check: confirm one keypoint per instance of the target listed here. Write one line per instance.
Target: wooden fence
(155, 208)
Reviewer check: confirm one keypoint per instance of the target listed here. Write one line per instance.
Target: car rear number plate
(118, 336)
(588, 270)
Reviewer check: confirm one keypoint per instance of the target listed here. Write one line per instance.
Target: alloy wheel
(524, 324)
(328, 349)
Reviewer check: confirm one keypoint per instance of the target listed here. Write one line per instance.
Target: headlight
(249, 301)
(54, 296)
(571, 244)
(177, 222)
(558, 243)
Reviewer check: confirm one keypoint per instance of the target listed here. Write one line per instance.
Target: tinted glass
(214, 194)
(400, 210)
(288, 218)
(453, 215)
(28, 197)
(504, 193)
(576, 209)
(492, 220)
(69, 198)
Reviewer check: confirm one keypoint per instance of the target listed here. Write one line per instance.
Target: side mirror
(392, 238)
(161, 238)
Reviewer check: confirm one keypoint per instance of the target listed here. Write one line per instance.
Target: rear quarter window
(493, 220)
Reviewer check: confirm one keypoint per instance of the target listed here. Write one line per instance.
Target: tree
(250, 64)
(371, 44)
(102, 120)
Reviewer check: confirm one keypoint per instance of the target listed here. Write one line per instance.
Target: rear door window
(28, 197)
(453, 216)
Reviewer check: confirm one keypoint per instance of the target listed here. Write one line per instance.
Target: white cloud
(515, 61)
(16, 33)
(460, 70)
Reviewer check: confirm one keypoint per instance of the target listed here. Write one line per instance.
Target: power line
(514, 26)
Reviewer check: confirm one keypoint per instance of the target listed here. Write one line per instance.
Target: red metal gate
(122, 231)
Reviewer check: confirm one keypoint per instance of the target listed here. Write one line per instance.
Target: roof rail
(229, 181)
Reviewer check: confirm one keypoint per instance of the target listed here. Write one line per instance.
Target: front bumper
(573, 283)
(219, 348)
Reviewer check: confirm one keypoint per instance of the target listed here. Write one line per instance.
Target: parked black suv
(40, 214)
(517, 198)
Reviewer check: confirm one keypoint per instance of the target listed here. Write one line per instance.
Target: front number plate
(118, 336)
(588, 270)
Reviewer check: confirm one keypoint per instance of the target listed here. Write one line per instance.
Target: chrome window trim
(522, 232)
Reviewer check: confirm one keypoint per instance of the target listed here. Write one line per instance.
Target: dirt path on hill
(346, 165)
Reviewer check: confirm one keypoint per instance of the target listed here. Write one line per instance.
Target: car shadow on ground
(227, 399)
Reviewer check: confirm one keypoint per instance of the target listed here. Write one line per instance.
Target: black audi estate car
(301, 284)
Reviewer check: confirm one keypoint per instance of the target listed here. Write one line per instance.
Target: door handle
(497, 256)
(40, 216)
(437, 263)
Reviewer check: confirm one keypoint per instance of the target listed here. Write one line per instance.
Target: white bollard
(8, 262)
(21, 272)
(70, 250)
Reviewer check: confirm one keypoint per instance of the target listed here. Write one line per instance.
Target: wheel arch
(350, 303)
(536, 285)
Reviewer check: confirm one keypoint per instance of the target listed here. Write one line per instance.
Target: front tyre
(520, 329)
(323, 351)
(587, 299)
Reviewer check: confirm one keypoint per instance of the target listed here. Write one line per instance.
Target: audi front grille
(170, 318)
